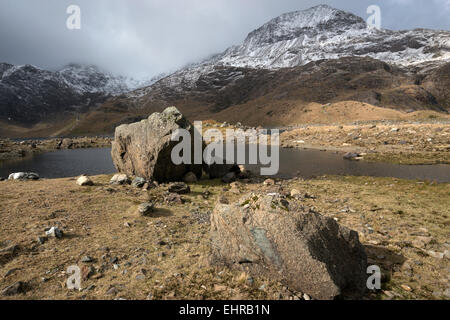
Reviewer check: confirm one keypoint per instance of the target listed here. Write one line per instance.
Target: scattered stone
(15, 289)
(140, 277)
(190, 177)
(112, 291)
(206, 194)
(269, 182)
(179, 188)
(146, 209)
(223, 200)
(84, 181)
(421, 241)
(229, 177)
(120, 178)
(23, 176)
(310, 252)
(174, 198)
(306, 297)
(114, 260)
(42, 240)
(138, 182)
(434, 254)
(145, 148)
(54, 232)
(87, 259)
(219, 288)
(244, 173)
(447, 293)
(351, 156)
(10, 272)
(406, 288)
(87, 272)
(295, 193)
(447, 254)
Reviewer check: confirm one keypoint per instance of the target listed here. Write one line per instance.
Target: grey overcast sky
(146, 37)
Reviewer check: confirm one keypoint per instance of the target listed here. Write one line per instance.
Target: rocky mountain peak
(310, 23)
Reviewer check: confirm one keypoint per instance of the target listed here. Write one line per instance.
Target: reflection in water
(305, 163)
(63, 163)
(308, 163)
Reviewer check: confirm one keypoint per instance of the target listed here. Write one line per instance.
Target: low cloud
(147, 37)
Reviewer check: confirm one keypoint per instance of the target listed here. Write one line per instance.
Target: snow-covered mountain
(29, 93)
(321, 32)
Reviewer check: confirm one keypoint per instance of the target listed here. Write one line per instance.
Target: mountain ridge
(405, 70)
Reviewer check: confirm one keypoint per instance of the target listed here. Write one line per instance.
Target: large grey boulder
(144, 148)
(275, 237)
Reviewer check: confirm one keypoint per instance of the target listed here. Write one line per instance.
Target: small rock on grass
(406, 287)
(295, 193)
(54, 232)
(179, 188)
(190, 177)
(112, 291)
(87, 259)
(119, 179)
(269, 182)
(42, 240)
(12, 290)
(229, 177)
(84, 181)
(138, 182)
(436, 255)
(146, 209)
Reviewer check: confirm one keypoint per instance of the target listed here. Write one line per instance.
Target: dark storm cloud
(146, 37)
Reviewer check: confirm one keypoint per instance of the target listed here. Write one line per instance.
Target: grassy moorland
(404, 226)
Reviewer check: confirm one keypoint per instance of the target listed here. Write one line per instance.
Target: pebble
(12, 290)
(179, 188)
(295, 193)
(434, 254)
(112, 291)
(146, 209)
(54, 232)
(42, 240)
(138, 182)
(87, 259)
(406, 288)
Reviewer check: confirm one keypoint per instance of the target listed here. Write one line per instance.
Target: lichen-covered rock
(271, 236)
(144, 148)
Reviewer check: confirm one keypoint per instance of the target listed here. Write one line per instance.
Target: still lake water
(305, 163)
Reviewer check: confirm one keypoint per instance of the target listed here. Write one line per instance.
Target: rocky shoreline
(382, 141)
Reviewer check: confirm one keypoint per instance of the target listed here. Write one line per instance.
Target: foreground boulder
(144, 148)
(274, 237)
